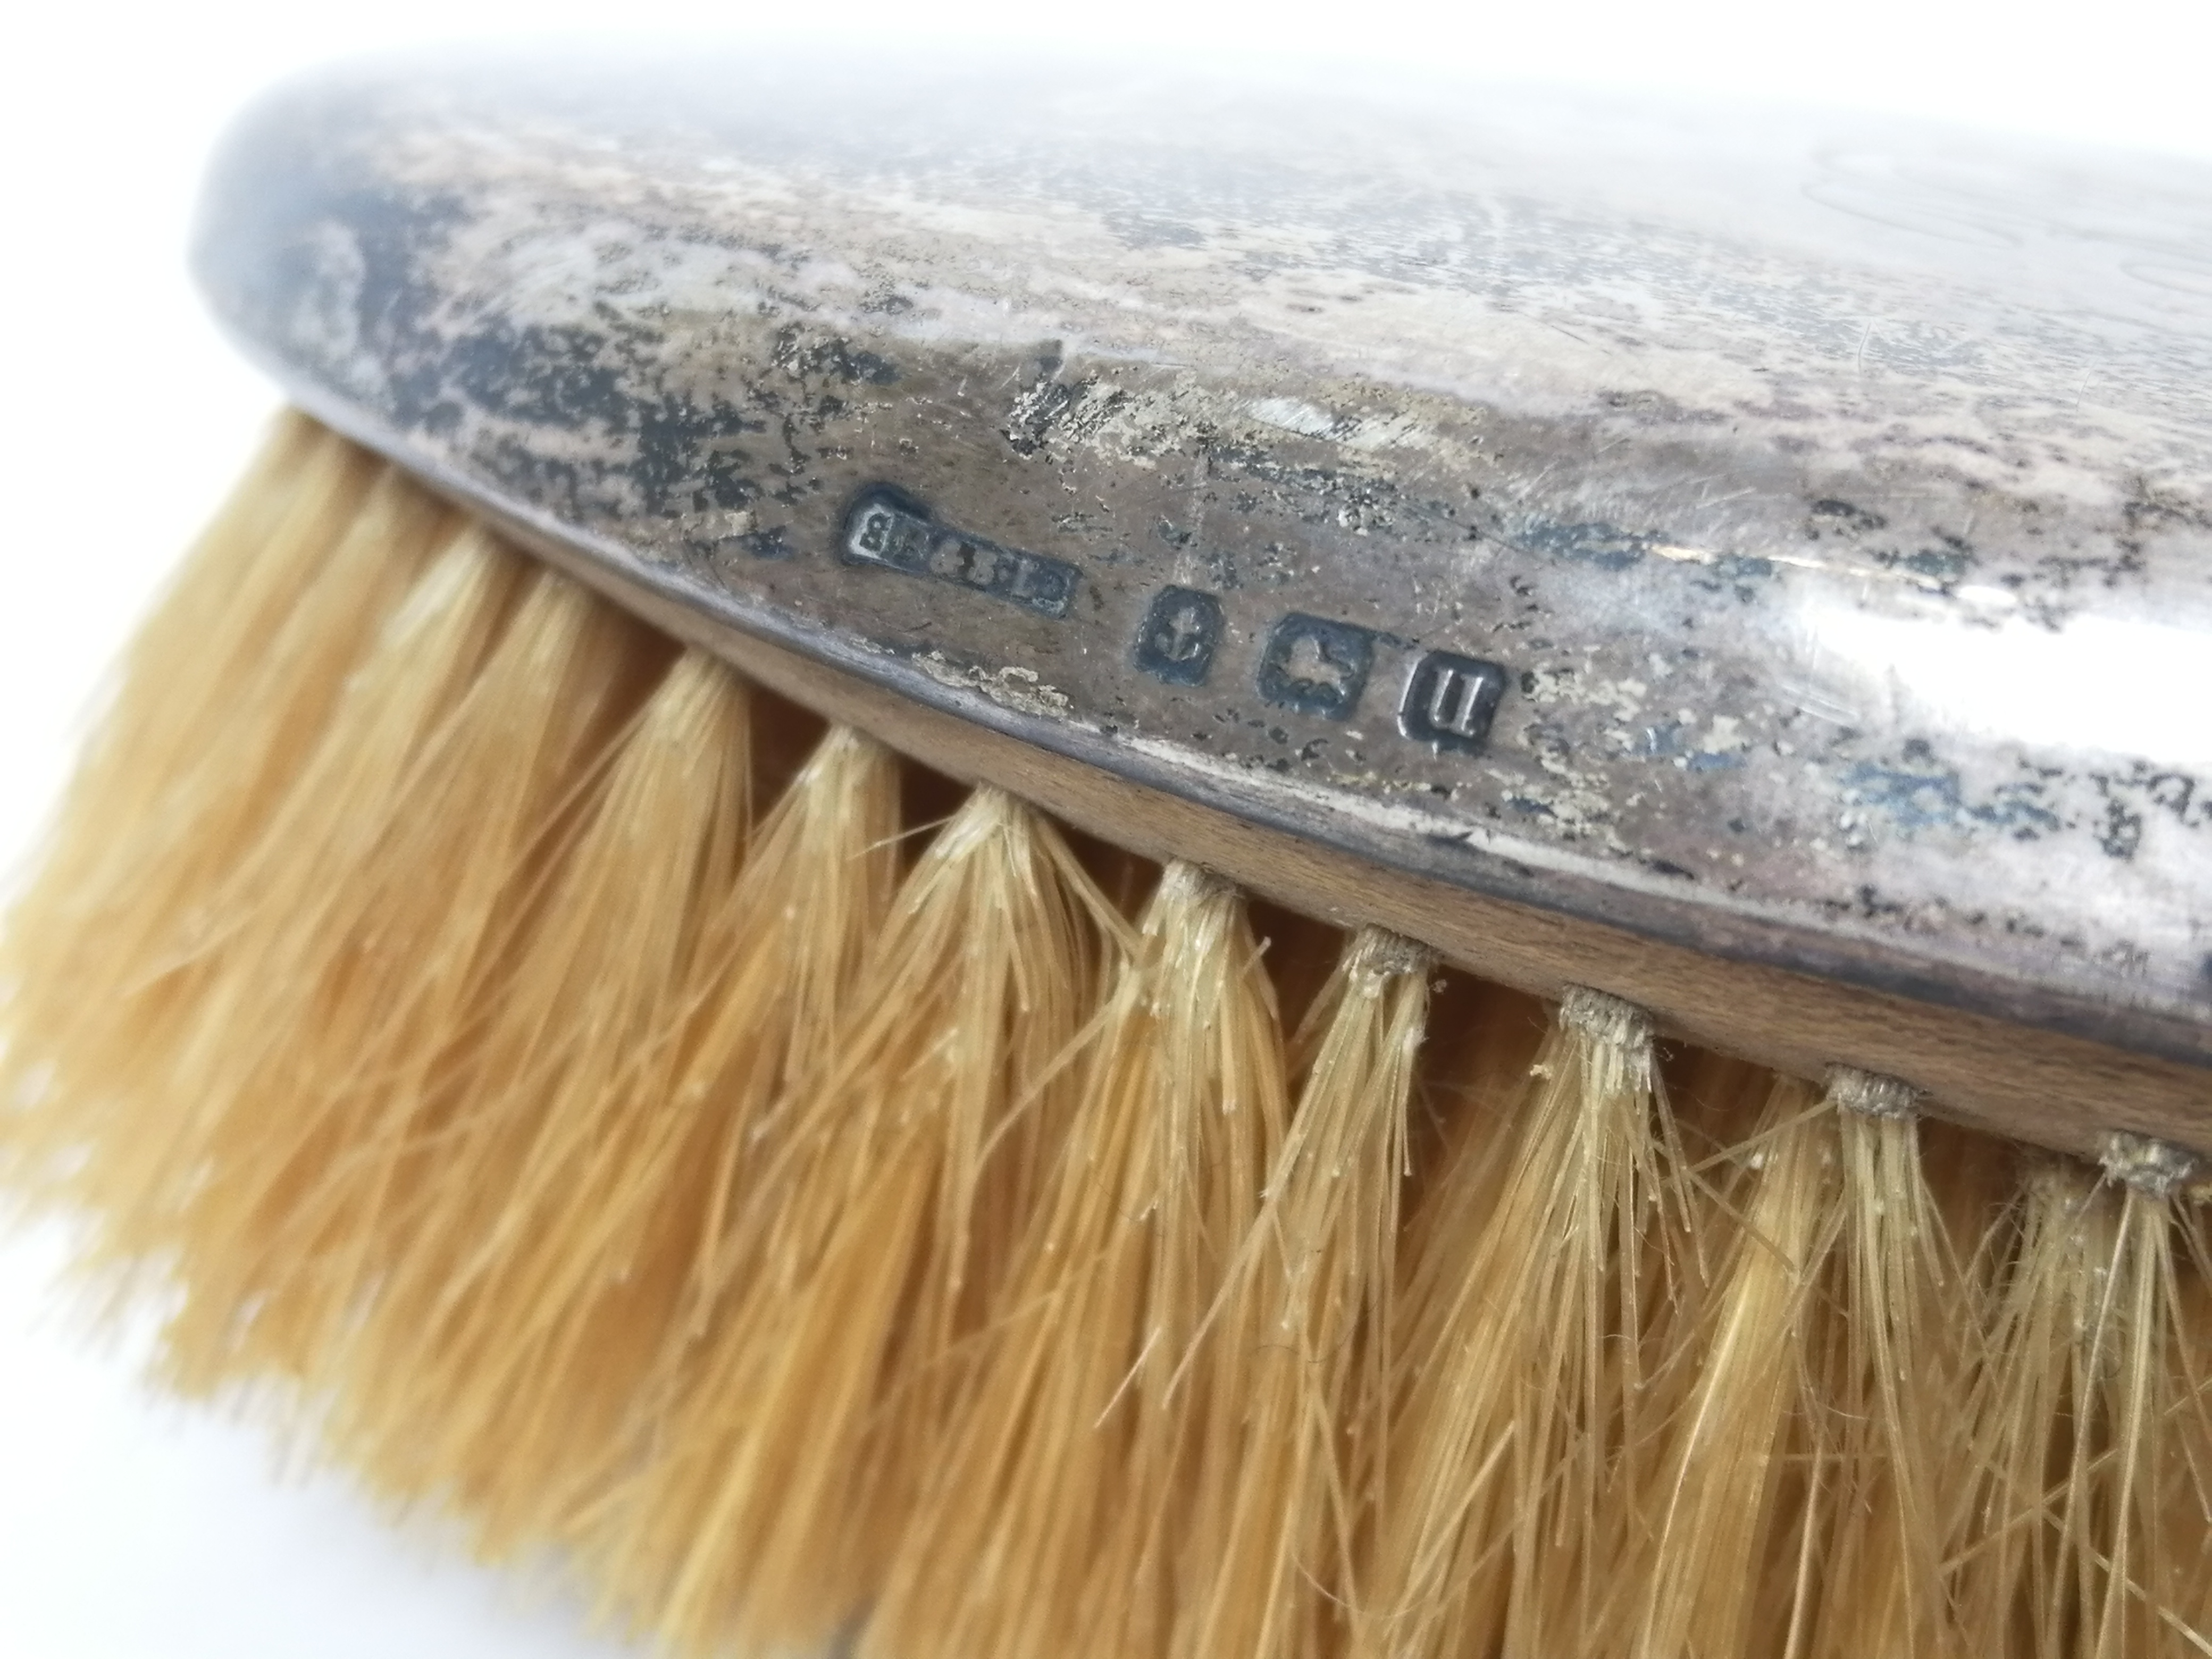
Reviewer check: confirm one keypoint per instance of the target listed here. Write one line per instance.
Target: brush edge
(2027, 1083)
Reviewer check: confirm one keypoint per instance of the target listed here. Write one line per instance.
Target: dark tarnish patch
(1606, 546)
(1671, 740)
(1359, 502)
(684, 454)
(2120, 833)
(2131, 799)
(1940, 566)
(1935, 564)
(1738, 574)
(564, 486)
(393, 305)
(687, 460)
(1140, 230)
(810, 356)
(541, 376)
(775, 543)
(1830, 514)
(1054, 411)
(1916, 799)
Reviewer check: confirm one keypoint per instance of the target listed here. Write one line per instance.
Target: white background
(130, 1529)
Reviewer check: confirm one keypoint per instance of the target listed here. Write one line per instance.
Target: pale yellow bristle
(1736, 1568)
(329, 1063)
(902, 1179)
(1078, 1465)
(2083, 1536)
(1519, 1511)
(2185, 1497)
(237, 1032)
(227, 686)
(1313, 1283)
(567, 1066)
(815, 1225)
(586, 1303)
(1903, 1351)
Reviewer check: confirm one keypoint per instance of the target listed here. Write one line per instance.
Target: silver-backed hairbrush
(655, 950)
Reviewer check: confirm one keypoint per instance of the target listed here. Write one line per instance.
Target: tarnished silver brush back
(1787, 539)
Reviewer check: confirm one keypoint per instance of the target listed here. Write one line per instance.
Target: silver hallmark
(1450, 701)
(879, 530)
(1182, 631)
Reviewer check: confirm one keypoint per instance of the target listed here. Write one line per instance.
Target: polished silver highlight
(1803, 530)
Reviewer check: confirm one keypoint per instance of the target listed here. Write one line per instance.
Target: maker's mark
(884, 532)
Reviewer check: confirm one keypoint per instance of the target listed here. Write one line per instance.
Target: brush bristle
(573, 1090)
(1158, 1179)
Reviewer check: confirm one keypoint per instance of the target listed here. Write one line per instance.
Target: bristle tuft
(1869, 1094)
(906, 1172)
(1523, 1457)
(2156, 1168)
(1079, 1464)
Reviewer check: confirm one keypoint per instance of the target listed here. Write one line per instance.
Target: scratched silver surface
(1826, 506)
